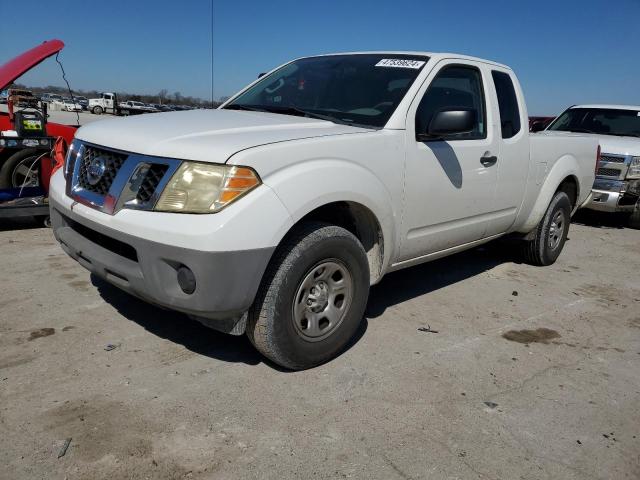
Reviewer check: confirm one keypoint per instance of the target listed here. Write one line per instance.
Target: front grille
(608, 172)
(113, 161)
(610, 159)
(151, 181)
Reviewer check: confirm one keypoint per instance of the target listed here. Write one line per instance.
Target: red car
(537, 124)
(28, 140)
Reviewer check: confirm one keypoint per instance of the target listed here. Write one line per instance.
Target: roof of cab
(431, 55)
(610, 106)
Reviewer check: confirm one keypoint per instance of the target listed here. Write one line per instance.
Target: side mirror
(451, 122)
(262, 74)
(537, 126)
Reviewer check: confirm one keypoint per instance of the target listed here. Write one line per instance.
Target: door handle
(487, 161)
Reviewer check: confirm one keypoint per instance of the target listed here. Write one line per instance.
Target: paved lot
(175, 400)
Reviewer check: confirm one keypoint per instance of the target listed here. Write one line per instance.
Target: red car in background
(31, 148)
(537, 124)
(14, 154)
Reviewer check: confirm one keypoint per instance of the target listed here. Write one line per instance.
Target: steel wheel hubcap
(322, 300)
(556, 230)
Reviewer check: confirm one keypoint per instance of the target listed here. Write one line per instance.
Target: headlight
(634, 168)
(70, 158)
(205, 188)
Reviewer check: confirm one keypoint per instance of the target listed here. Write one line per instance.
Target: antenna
(212, 54)
(64, 77)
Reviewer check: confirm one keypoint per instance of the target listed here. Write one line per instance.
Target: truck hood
(608, 143)
(205, 135)
(24, 62)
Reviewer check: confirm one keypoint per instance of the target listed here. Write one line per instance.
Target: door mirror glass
(452, 122)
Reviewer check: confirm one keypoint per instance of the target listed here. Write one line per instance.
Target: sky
(564, 51)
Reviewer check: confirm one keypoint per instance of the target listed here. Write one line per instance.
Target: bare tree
(162, 95)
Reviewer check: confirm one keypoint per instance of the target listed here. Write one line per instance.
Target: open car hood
(26, 61)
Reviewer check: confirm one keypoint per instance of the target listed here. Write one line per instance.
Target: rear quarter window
(507, 103)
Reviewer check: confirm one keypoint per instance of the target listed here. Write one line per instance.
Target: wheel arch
(346, 194)
(563, 176)
(361, 222)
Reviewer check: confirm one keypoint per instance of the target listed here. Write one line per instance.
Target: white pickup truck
(617, 129)
(275, 213)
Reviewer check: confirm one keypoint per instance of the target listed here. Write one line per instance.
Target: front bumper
(226, 282)
(613, 196)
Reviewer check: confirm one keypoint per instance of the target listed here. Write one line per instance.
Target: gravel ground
(146, 393)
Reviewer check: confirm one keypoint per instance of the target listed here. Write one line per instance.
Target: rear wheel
(312, 298)
(21, 169)
(551, 233)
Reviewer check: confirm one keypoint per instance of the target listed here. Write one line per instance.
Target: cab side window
(454, 87)
(507, 103)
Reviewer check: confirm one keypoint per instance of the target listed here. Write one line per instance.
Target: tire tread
(259, 327)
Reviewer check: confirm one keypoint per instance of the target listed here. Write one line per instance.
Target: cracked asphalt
(533, 374)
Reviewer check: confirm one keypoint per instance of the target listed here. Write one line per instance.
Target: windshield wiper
(250, 108)
(301, 113)
(285, 111)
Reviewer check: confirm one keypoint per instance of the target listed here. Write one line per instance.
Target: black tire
(97, 110)
(548, 242)
(634, 219)
(15, 164)
(45, 220)
(272, 326)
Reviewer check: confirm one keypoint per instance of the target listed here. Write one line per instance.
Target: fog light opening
(186, 280)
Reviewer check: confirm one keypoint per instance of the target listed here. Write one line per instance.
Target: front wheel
(97, 110)
(312, 298)
(551, 233)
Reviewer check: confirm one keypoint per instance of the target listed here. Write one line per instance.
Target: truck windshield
(602, 121)
(360, 90)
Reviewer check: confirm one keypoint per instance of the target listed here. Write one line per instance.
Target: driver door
(450, 182)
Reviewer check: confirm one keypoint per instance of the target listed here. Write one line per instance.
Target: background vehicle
(139, 106)
(51, 98)
(617, 128)
(83, 101)
(161, 108)
(109, 103)
(275, 213)
(537, 124)
(71, 106)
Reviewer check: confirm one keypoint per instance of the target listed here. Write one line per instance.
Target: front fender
(565, 166)
(305, 186)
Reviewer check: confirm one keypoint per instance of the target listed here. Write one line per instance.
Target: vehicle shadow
(593, 218)
(403, 285)
(448, 160)
(20, 223)
(179, 328)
